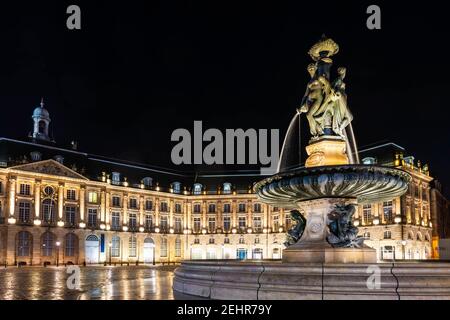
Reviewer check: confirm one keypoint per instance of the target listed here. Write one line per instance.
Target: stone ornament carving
(296, 232)
(50, 167)
(343, 234)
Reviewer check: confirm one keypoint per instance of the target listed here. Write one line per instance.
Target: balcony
(27, 222)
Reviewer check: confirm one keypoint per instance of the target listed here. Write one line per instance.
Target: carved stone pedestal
(313, 245)
(325, 151)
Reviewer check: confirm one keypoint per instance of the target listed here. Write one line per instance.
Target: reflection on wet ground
(114, 283)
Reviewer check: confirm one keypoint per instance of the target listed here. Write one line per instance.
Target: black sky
(140, 69)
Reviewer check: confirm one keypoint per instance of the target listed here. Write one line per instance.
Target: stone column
(171, 205)
(234, 214)
(12, 196)
(219, 222)
(60, 200)
(249, 214)
(156, 212)
(107, 207)
(141, 211)
(82, 202)
(125, 210)
(102, 206)
(188, 215)
(37, 198)
(204, 223)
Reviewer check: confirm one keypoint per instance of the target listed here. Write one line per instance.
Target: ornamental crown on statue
(326, 109)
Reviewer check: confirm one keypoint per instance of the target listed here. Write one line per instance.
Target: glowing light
(204, 231)
(171, 230)
(60, 223)
(108, 227)
(233, 230)
(102, 226)
(12, 220)
(157, 230)
(249, 230)
(58, 243)
(398, 219)
(356, 223)
(82, 225)
(376, 221)
(37, 222)
(141, 229)
(125, 228)
(280, 229)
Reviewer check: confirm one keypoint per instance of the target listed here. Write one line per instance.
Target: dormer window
(197, 188)
(115, 178)
(176, 186)
(227, 188)
(369, 160)
(147, 181)
(36, 156)
(59, 159)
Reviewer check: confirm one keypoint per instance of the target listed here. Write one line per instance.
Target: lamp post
(57, 252)
(404, 249)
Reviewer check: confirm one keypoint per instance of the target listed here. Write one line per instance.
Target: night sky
(138, 70)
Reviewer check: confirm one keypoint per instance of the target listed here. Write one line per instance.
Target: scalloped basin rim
(366, 183)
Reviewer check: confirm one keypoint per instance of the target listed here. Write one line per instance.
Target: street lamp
(404, 249)
(57, 252)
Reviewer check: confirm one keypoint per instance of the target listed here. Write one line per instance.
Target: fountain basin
(364, 183)
(263, 280)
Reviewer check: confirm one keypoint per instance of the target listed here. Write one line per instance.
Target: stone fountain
(325, 258)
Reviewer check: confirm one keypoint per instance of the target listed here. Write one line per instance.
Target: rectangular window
(132, 221)
(24, 212)
(1, 186)
(226, 224)
(148, 205)
(177, 207)
(92, 197)
(92, 218)
(241, 207)
(24, 189)
(133, 203)
(276, 223)
(70, 194)
(197, 208)
(226, 208)
(211, 208)
(177, 225)
(163, 247)
(163, 224)
(257, 225)
(116, 201)
(148, 221)
(211, 224)
(367, 214)
(132, 247)
(387, 211)
(163, 207)
(178, 248)
(70, 216)
(197, 225)
(115, 221)
(115, 247)
(257, 207)
(287, 221)
(242, 225)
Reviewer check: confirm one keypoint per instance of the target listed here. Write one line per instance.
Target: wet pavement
(111, 283)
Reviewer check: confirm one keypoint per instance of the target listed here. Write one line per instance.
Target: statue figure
(342, 232)
(295, 233)
(325, 104)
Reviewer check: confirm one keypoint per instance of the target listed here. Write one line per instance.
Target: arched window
(427, 237)
(48, 240)
(410, 236)
(48, 210)
(178, 247)
(24, 244)
(369, 160)
(163, 247)
(115, 246)
(419, 236)
(147, 181)
(41, 126)
(132, 247)
(71, 244)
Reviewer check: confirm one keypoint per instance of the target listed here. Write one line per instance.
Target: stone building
(60, 205)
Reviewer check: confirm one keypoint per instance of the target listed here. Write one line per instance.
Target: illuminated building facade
(60, 205)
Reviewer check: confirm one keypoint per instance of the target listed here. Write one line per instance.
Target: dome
(41, 112)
